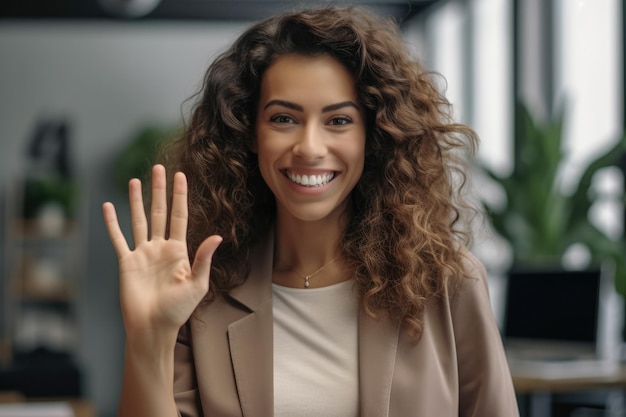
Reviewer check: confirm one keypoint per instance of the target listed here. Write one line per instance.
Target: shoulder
(471, 281)
(469, 300)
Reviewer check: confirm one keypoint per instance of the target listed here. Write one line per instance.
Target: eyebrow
(297, 107)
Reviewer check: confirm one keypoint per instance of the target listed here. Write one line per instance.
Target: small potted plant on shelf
(50, 190)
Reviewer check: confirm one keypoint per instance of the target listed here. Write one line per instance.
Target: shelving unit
(42, 270)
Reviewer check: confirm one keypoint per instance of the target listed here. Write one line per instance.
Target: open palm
(159, 288)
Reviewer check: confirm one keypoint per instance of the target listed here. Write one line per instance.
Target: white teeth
(311, 180)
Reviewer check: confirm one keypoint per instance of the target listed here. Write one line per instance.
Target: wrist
(150, 343)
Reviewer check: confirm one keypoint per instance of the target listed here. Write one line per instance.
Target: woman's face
(310, 136)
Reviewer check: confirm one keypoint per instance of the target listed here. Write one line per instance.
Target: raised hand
(159, 288)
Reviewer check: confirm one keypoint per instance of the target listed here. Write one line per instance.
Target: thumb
(202, 263)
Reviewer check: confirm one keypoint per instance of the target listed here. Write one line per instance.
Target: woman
(322, 165)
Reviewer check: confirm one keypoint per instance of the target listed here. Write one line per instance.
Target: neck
(302, 248)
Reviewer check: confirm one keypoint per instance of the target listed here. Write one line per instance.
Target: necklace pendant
(306, 277)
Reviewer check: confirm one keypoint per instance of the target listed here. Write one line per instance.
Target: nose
(310, 144)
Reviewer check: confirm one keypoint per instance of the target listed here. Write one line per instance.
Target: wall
(109, 79)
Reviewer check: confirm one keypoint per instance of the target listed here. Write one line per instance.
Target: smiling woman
(317, 187)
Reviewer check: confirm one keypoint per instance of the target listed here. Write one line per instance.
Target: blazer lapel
(378, 343)
(251, 338)
(251, 349)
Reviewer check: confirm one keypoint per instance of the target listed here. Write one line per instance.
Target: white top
(316, 370)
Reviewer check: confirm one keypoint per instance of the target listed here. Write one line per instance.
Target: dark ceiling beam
(234, 10)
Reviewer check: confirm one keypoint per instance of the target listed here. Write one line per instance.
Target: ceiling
(187, 9)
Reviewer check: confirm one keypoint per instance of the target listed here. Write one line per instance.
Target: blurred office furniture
(562, 342)
(43, 243)
(13, 404)
(569, 395)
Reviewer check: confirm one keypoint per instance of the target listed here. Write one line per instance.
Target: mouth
(312, 181)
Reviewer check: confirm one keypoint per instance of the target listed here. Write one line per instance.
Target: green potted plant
(540, 220)
(140, 153)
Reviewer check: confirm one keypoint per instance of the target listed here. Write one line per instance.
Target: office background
(109, 78)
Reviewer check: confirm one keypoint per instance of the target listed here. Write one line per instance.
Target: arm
(159, 290)
(485, 384)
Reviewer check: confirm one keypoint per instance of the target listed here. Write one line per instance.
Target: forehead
(307, 78)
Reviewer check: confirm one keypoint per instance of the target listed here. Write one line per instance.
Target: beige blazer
(223, 358)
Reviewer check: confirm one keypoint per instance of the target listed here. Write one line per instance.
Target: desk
(537, 390)
(80, 407)
(527, 384)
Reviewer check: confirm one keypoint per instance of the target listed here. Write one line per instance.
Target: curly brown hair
(407, 232)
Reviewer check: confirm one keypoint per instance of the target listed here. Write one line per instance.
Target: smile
(310, 180)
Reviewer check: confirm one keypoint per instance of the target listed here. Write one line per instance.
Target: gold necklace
(306, 277)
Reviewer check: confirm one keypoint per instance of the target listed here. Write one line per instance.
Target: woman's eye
(340, 121)
(281, 118)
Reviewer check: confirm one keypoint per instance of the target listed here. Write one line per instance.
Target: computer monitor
(553, 312)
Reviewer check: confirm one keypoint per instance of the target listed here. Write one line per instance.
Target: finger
(137, 212)
(201, 268)
(158, 210)
(178, 220)
(113, 227)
